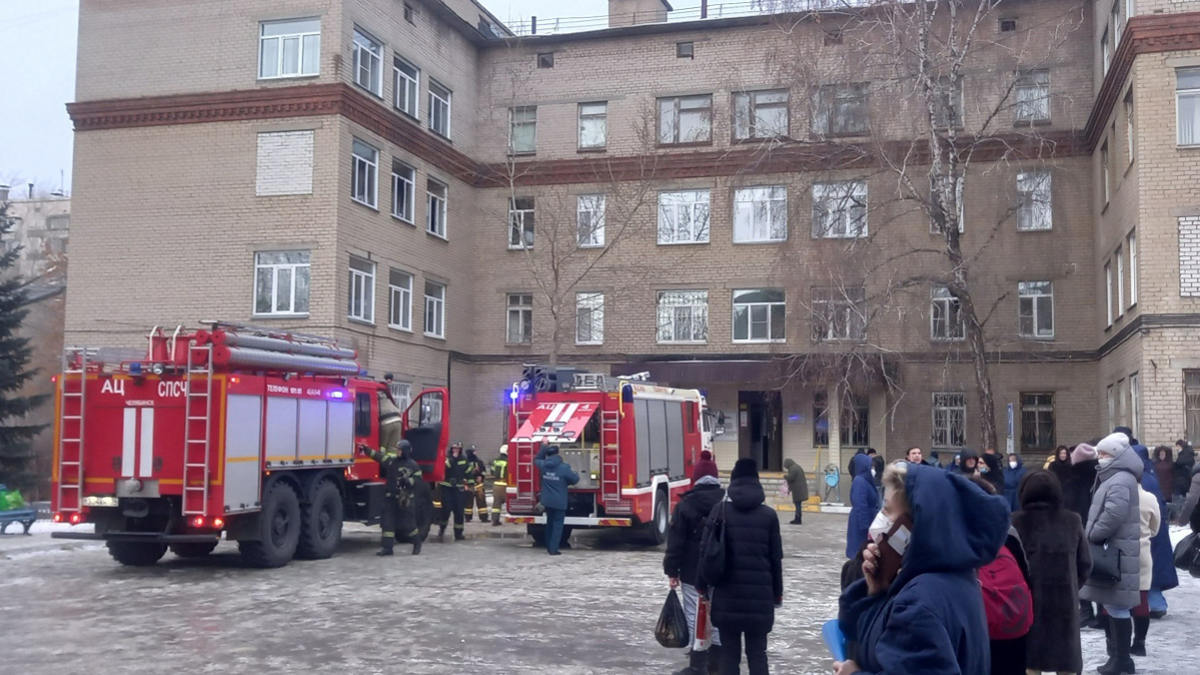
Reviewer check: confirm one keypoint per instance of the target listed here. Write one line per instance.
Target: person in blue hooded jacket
(1014, 471)
(864, 504)
(1161, 552)
(557, 476)
(928, 619)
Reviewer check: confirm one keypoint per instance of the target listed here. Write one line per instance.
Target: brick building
(725, 203)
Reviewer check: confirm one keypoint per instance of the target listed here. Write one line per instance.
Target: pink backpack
(1007, 601)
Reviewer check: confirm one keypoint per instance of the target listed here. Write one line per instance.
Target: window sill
(370, 91)
(1035, 230)
(1032, 123)
(288, 78)
(1194, 146)
(589, 344)
(844, 135)
(435, 337)
(956, 340)
(404, 220)
(268, 317)
(520, 248)
(522, 153)
(362, 203)
(596, 247)
(1104, 209)
(1129, 168)
(440, 135)
(759, 241)
(761, 140)
(759, 342)
(407, 116)
(1035, 338)
(435, 235)
(682, 243)
(690, 144)
(361, 322)
(592, 151)
(1108, 328)
(518, 345)
(692, 343)
(401, 329)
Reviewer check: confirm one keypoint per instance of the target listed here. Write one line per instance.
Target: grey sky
(37, 42)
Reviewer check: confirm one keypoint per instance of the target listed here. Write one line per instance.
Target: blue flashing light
(514, 395)
(135, 369)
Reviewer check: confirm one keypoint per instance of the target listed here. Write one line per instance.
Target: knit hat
(744, 468)
(705, 467)
(1112, 444)
(706, 455)
(1082, 453)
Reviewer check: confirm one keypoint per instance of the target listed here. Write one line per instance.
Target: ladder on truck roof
(610, 463)
(72, 402)
(197, 436)
(523, 458)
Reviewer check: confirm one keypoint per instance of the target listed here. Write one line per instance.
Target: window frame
(446, 102)
(1108, 279)
(1135, 403)
(367, 301)
(949, 114)
(545, 60)
(435, 307)
(301, 50)
(397, 297)
(698, 307)
(769, 307)
(1131, 243)
(1024, 111)
(275, 269)
(1120, 257)
(602, 117)
(950, 401)
(370, 167)
(1032, 403)
(828, 302)
(773, 199)
(833, 97)
(595, 316)
(1130, 131)
(374, 49)
(1039, 180)
(1026, 291)
(1105, 52)
(436, 207)
(693, 206)
(411, 84)
(936, 298)
(406, 186)
(597, 238)
(959, 183)
(1105, 173)
(745, 125)
(521, 221)
(677, 112)
(853, 190)
(1190, 93)
(520, 306)
(403, 400)
(513, 123)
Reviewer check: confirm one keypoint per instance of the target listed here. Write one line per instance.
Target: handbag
(713, 549)
(1187, 552)
(1106, 563)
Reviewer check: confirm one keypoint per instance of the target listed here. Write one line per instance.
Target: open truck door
(426, 427)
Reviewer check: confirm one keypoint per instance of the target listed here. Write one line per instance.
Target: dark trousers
(799, 517)
(1008, 656)
(453, 501)
(731, 651)
(554, 528)
(396, 514)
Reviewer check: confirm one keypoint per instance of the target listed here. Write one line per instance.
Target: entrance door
(760, 428)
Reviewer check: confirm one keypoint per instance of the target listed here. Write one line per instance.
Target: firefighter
(389, 416)
(454, 492)
(476, 475)
(499, 484)
(400, 474)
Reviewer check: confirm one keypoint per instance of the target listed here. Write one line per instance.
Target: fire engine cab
(632, 443)
(235, 430)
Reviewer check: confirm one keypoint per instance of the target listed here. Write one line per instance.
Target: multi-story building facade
(726, 204)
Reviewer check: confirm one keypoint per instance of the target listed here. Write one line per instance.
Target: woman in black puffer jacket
(745, 598)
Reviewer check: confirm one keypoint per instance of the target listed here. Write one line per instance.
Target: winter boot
(441, 534)
(714, 660)
(697, 664)
(385, 552)
(1120, 632)
(483, 518)
(417, 547)
(1087, 618)
(1141, 626)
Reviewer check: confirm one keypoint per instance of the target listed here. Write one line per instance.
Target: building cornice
(1145, 34)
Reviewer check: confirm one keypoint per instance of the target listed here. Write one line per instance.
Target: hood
(1040, 488)
(1186, 455)
(861, 464)
(1124, 459)
(1144, 454)
(1020, 462)
(956, 525)
(746, 494)
(992, 462)
(1170, 454)
(967, 455)
(553, 461)
(788, 463)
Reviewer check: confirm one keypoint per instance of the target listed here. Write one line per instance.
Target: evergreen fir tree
(16, 453)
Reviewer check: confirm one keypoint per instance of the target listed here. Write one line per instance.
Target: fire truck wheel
(136, 554)
(193, 550)
(656, 529)
(279, 525)
(321, 523)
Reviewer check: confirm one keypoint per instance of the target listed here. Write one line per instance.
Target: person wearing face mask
(992, 470)
(1013, 473)
(918, 609)
(1114, 522)
(864, 504)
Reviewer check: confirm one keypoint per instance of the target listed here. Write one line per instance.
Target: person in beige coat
(1151, 520)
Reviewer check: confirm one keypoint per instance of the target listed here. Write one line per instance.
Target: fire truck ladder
(71, 405)
(524, 463)
(610, 462)
(197, 429)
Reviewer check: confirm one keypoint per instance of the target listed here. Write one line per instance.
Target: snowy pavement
(488, 605)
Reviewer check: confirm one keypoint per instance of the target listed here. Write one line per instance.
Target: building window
(1008, 25)
(945, 316)
(362, 290)
(1121, 420)
(856, 422)
(593, 125)
(1033, 96)
(760, 214)
(590, 220)
(364, 176)
(435, 309)
(439, 109)
(408, 13)
(1129, 130)
(1105, 52)
(1187, 104)
(368, 63)
(289, 48)
(685, 119)
(948, 101)
(520, 319)
(683, 217)
(957, 208)
(1112, 408)
(1037, 422)
(685, 50)
(435, 220)
(1035, 311)
(1191, 405)
(1104, 173)
(1115, 20)
(545, 60)
(408, 88)
(402, 393)
(281, 281)
(759, 315)
(760, 114)
(589, 318)
(682, 316)
(832, 37)
(1135, 404)
(1131, 243)
(522, 130)
(1108, 287)
(841, 110)
(1120, 282)
(949, 420)
(839, 314)
(520, 223)
(400, 289)
(839, 210)
(404, 191)
(1034, 212)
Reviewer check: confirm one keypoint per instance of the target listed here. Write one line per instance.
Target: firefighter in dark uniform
(499, 484)
(454, 492)
(400, 474)
(475, 486)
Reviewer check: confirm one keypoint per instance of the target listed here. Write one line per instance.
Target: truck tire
(538, 534)
(194, 550)
(321, 523)
(136, 554)
(422, 511)
(660, 519)
(279, 527)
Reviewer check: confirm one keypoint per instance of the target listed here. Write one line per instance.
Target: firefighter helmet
(403, 446)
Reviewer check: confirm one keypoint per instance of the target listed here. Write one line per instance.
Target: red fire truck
(239, 430)
(632, 443)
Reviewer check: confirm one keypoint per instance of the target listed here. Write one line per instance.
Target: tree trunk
(983, 379)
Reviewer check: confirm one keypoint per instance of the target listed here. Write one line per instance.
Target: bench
(25, 516)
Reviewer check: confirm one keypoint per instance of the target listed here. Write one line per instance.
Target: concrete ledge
(815, 508)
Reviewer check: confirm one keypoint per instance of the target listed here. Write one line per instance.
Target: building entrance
(760, 428)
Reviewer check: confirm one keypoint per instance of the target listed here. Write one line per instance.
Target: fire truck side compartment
(243, 456)
(674, 445)
(641, 422)
(282, 416)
